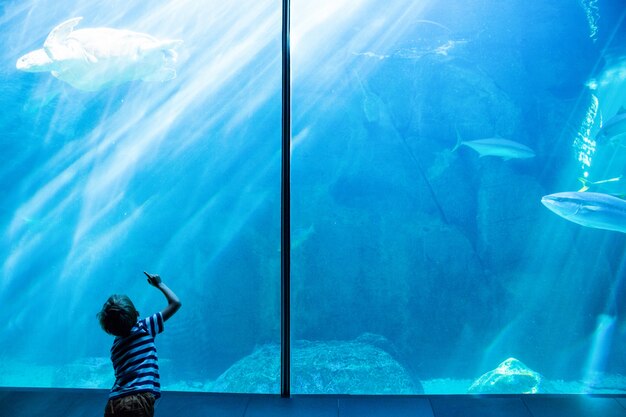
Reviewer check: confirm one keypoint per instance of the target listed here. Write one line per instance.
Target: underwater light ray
(210, 66)
(118, 168)
(91, 213)
(596, 85)
(66, 181)
(598, 353)
(197, 91)
(31, 241)
(552, 307)
(592, 13)
(21, 38)
(189, 230)
(98, 141)
(240, 209)
(86, 255)
(112, 176)
(13, 260)
(492, 352)
(191, 19)
(32, 207)
(252, 105)
(83, 156)
(311, 15)
(121, 171)
(82, 151)
(312, 47)
(47, 192)
(216, 73)
(586, 157)
(300, 138)
(237, 218)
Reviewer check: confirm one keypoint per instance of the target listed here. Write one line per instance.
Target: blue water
(422, 266)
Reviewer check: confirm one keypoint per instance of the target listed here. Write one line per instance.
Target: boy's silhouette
(133, 353)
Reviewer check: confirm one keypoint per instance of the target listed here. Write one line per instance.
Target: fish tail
(585, 183)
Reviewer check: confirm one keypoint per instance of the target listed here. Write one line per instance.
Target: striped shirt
(135, 360)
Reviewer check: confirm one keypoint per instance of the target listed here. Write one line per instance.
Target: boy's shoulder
(153, 324)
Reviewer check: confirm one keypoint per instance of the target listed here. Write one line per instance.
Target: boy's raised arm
(173, 303)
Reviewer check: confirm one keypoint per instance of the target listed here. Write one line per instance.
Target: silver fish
(596, 210)
(503, 148)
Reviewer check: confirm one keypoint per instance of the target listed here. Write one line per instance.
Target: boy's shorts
(133, 405)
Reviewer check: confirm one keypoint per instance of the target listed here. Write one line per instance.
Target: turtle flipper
(57, 36)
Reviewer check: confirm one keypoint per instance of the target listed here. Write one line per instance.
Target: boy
(133, 353)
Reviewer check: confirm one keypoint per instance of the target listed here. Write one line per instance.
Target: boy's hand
(153, 280)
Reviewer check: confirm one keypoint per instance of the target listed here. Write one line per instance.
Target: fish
(614, 127)
(496, 146)
(595, 210)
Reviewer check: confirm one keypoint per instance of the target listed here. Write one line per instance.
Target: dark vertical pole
(285, 244)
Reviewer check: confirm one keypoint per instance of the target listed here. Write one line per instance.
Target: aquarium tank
(458, 222)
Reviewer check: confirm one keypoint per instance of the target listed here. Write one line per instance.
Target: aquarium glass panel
(429, 252)
(140, 136)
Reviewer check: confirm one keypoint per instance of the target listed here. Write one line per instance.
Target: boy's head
(118, 315)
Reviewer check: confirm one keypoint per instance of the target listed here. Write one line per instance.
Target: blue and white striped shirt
(135, 359)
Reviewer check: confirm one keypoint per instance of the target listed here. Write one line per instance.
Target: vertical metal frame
(285, 239)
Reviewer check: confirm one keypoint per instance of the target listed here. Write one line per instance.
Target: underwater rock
(378, 341)
(328, 367)
(510, 377)
(506, 214)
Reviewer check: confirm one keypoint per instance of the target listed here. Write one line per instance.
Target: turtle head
(35, 61)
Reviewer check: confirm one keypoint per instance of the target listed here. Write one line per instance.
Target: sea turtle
(95, 58)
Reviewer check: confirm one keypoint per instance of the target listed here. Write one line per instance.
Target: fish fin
(621, 110)
(53, 46)
(62, 30)
(585, 183)
(459, 141)
(165, 74)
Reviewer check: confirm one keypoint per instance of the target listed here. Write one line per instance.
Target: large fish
(597, 210)
(614, 127)
(503, 148)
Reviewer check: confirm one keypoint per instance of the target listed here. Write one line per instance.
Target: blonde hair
(118, 315)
